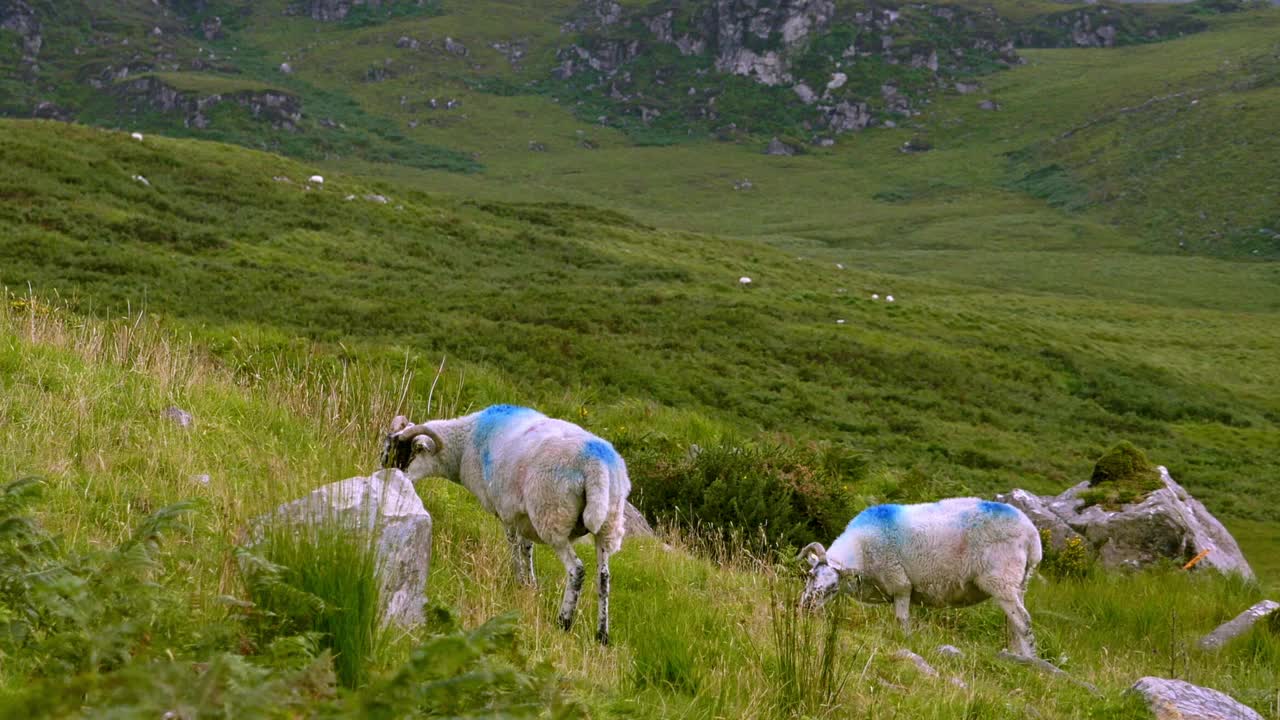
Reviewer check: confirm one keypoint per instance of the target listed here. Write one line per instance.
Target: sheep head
(824, 577)
(413, 449)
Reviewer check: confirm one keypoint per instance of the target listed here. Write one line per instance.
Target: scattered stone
(535, 146)
(950, 651)
(386, 503)
(211, 28)
(777, 147)
(1238, 625)
(202, 479)
(380, 199)
(144, 181)
(282, 179)
(136, 136)
(156, 31)
(1178, 700)
(916, 145)
(455, 47)
(180, 417)
(407, 43)
(744, 281)
(921, 664)
(837, 81)
(316, 179)
(1045, 667)
(635, 522)
(349, 198)
(840, 321)
(743, 184)
(286, 68)
(1166, 524)
(805, 93)
(967, 88)
(991, 105)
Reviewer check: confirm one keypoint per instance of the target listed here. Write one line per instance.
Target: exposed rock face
(637, 526)
(19, 17)
(777, 147)
(1178, 700)
(282, 110)
(331, 10)
(1167, 524)
(1239, 625)
(738, 25)
(211, 28)
(384, 502)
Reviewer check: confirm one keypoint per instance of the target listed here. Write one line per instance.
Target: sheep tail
(1035, 553)
(596, 513)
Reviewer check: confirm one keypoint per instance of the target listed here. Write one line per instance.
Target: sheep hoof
(602, 637)
(566, 622)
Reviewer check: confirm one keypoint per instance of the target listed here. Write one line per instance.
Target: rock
(140, 179)
(967, 88)
(202, 479)
(743, 184)
(921, 664)
(1238, 625)
(988, 105)
(535, 146)
(380, 199)
(950, 651)
(385, 502)
(805, 93)
(847, 116)
(211, 28)
(1045, 667)
(455, 47)
(1168, 524)
(777, 147)
(407, 43)
(837, 81)
(1178, 700)
(180, 417)
(636, 524)
(286, 68)
(1042, 516)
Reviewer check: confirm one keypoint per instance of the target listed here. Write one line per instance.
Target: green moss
(1121, 476)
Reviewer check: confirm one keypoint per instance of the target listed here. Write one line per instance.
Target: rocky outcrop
(1239, 625)
(636, 524)
(282, 110)
(1178, 700)
(1168, 524)
(757, 39)
(384, 503)
(19, 17)
(332, 10)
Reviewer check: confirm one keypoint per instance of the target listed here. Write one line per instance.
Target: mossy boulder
(1123, 475)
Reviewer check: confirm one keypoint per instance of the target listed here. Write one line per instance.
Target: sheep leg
(602, 592)
(574, 575)
(1021, 641)
(522, 562)
(902, 610)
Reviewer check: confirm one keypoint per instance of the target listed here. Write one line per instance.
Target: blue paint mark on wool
(883, 519)
(491, 422)
(597, 449)
(996, 509)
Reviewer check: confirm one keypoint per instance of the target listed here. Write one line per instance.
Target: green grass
(692, 637)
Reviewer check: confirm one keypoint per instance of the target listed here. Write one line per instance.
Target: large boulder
(1239, 625)
(1178, 700)
(1168, 523)
(387, 504)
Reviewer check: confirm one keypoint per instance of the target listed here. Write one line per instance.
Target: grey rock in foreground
(1046, 667)
(180, 417)
(1178, 700)
(1168, 524)
(385, 502)
(636, 525)
(1238, 625)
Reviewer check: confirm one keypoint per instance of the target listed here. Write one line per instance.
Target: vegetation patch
(1123, 475)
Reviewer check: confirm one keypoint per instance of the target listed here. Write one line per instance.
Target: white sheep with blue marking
(949, 553)
(547, 480)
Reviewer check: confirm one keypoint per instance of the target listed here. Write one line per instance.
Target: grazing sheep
(948, 553)
(316, 179)
(547, 480)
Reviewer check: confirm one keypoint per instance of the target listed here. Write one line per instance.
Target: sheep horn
(814, 549)
(414, 431)
(399, 423)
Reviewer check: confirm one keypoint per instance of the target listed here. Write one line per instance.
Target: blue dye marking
(883, 519)
(996, 509)
(491, 421)
(597, 449)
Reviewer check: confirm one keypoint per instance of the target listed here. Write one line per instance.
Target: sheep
(316, 179)
(949, 553)
(547, 480)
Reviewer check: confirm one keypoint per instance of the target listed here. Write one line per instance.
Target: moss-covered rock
(1121, 476)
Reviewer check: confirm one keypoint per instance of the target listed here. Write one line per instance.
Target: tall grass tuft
(319, 578)
(811, 669)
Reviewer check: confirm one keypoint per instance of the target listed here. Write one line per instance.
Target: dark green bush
(1121, 476)
(795, 493)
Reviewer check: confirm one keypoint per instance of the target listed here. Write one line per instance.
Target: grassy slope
(987, 390)
(692, 636)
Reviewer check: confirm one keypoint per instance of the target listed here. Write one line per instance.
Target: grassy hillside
(694, 623)
(951, 384)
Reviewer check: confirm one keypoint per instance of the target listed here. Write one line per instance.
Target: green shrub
(1074, 560)
(796, 493)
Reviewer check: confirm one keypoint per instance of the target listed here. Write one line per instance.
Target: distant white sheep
(744, 281)
(875, 296)
(316, 179)
(136, 136)
(888, 298)
(547, 480)
(952, 552)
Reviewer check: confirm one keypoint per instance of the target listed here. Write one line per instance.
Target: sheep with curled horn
(949, 553)
(547, 480)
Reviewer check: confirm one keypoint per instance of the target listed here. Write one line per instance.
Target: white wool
(875, 296)
(136, 136)
(888, 298)
(317, 179)
(744, 280)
